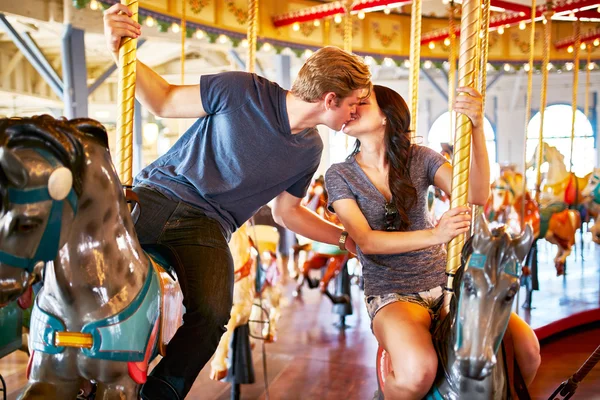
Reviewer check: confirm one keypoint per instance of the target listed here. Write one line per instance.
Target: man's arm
(290, 213)
(155, 93)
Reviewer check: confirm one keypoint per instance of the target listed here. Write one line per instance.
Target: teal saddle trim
(121, 337)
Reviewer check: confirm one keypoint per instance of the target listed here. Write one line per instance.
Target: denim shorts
(431, 299)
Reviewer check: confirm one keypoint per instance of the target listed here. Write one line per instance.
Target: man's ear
(329, 100)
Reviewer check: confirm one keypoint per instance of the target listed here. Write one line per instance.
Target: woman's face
(369, 118)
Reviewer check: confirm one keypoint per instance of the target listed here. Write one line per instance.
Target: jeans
(201, 247)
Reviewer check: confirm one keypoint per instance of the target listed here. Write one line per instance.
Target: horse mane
(60, 137)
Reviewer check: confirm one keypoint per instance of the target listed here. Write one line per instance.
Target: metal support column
(31, 56)
(435, 85)
(283, 67)
(74, 73)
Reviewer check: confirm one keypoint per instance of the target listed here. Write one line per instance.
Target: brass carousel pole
(528, 106)
(575, 86)
(483, 46)
(452, 69)
(545, 61)
(183, 36)
(415, 63)
(126, 100)
(252, 34)
(484, 36)
(348, 26)
(347, 41)
(467, 76)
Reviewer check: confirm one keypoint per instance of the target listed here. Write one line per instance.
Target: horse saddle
(170, 273)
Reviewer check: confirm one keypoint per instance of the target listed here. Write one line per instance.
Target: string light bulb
(361, 15)
(431, 45)
(296, 26)
(500, 30)
(337, 19)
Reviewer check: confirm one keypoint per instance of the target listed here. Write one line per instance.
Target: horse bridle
(48, 247)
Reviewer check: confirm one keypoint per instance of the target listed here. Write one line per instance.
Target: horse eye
(469, 287)
(510, 296)
(26, 225)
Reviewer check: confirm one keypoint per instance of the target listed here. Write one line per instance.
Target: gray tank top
(405, 273)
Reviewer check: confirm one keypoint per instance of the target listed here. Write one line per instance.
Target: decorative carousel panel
(385, 34)
(311, 31)
(518, 41)
(234, 13)
(201, 9)
(336, 33)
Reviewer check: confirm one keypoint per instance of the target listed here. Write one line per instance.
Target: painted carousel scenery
(304, 199)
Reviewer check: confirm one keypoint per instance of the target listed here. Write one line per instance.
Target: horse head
(40, 184)
(489, 285)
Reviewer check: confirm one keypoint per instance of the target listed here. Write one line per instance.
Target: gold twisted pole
(528, 106)
(452, 69)
(415, 64)
(575, 86)
(483, 45)
(586, 104)
(126, 100)
(467, 76)
(252, 34)
(545, 61)
(183, 36)
(348, 26)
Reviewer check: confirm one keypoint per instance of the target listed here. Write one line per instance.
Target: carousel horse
(244, 291)
(266, 310)
(107, 307)
(592, 201)
(560, 185)
(321, 255)
(468, 339)
(560, 190)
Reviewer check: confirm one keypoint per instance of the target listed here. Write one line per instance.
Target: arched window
(557, 133)
(440, 133)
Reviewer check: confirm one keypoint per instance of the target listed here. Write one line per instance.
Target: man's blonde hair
(331, 69)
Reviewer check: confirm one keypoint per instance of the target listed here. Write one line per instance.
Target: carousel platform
(313, 359)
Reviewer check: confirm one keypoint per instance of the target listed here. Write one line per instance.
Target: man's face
(339, 115)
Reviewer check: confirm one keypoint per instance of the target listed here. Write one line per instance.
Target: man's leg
(208, 290)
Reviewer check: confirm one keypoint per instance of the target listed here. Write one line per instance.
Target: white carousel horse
(267, 303)
(244, 291)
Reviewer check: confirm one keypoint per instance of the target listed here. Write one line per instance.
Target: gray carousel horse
(106, 307)
(469, 338)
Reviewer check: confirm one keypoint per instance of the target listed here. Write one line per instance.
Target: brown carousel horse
(561, 201)
(107, 307)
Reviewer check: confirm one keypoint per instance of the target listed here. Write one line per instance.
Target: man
(252, 142)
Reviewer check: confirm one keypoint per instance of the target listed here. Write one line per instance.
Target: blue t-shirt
(241, 155)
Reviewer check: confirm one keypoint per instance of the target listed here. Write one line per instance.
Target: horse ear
(523, 243)
(481, 231)
(13, 168)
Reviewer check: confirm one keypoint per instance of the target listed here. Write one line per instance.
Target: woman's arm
(453, 223)
(470, 104)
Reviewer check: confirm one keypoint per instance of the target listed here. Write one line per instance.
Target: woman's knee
(416, 371)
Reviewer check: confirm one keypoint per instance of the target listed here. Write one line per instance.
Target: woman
(380, 195)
